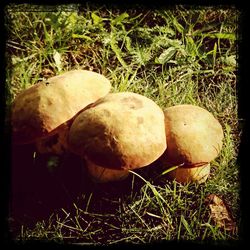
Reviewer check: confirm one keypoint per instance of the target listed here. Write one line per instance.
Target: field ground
(173, 56)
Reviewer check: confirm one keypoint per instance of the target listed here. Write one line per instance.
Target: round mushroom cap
(40, 109)
(194, 136)
(103, 175)
(191, 174)
(120, 131)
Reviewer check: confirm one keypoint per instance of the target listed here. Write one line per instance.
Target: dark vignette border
(242, 84)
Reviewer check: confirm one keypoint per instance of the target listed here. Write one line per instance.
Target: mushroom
(185, 174)
(120, 131)
(41, 114)
(101, 174)
(194, 138)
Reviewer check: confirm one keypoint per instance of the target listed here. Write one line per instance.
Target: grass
(172, 55)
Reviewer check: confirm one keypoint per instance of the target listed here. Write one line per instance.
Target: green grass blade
(166, 55)
(186, 225)
(169, 170)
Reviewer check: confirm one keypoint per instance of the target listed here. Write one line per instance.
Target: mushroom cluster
(115, 132)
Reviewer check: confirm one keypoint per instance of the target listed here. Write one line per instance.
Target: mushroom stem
(101, 174)
(185, 174)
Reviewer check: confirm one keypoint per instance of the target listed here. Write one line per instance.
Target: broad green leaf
(96, 19)
(191, 46)
(166, 55)
(178, 26)
(120, 18)
(72, 19)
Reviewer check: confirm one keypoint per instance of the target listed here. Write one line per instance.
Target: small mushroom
(120, 131)
(41, 113)
(194, 138)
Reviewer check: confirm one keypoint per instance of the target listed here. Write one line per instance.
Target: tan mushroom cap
(120, 131)
(103, 175)
(194, 136)
(40, 109)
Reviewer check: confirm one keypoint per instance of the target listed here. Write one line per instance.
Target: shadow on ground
(44, 184)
